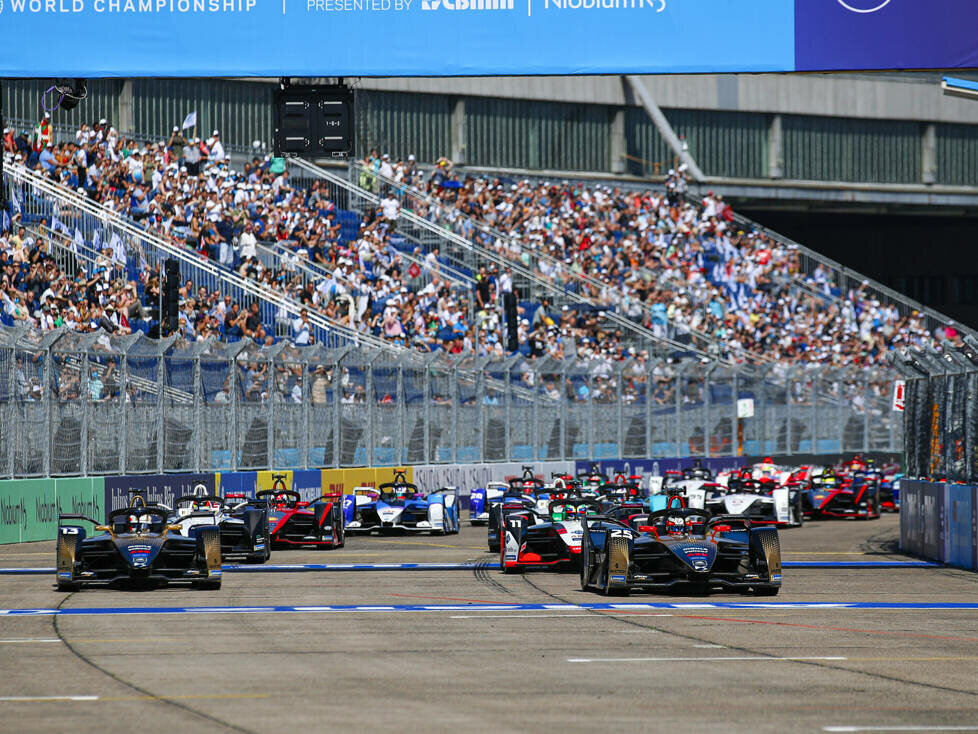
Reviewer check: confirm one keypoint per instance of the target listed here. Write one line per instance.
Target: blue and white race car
(481, 500)
(400, 506)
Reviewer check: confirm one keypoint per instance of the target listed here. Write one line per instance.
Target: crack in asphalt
(142, 691)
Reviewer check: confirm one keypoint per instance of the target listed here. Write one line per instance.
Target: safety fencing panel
(80, 404)
(941, 416)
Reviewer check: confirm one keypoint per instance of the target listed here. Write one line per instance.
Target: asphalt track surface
(474, 650)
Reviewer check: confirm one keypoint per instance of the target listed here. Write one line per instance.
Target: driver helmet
(673, 527)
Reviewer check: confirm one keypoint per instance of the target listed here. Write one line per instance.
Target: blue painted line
(440, 608)
(300, 567)
(340, 567)
(860, 564)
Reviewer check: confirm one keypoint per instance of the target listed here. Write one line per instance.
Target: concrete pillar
(775, 149)
(458, 131)
(619, 144)
(928, 157)
(126, 116)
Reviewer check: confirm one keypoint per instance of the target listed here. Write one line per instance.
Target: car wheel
(766, 590)
(799, 518)
(616, 562)
(586, 562)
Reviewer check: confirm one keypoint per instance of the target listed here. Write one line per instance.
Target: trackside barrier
(939, 521)
(29, 508)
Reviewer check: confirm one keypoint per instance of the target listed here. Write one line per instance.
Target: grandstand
(626, 269)
(331, 319)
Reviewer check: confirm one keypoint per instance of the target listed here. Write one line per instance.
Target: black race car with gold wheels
(137, 546)
(679, 549)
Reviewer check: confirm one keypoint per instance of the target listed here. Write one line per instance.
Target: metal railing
(93, 403)
(41, 201)
(489, 239)
(467, 256)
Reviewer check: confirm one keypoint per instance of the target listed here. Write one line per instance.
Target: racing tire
(209, 550)
(207, 585)
(587, 561)
(502, 562)
(616, 562)
(765, 550)
(766, 590)
(797, 518)
(478, 523)
(67, 548)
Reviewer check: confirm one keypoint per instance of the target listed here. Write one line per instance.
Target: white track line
(44, 699)
(29, 640)
(717, 659)
(516, 616)
(898, 728)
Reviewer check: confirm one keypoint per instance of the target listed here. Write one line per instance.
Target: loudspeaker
(511, 322)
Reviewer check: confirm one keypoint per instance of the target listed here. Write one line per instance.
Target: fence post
(619, 378)
(124, 418)
(734, 420)
(198, 416)
(815, 411)
(86, 413)
(401, 434)
(679, 411)
(234, 403)
(371, 399)
(866, 410)
(337, 410)
(564, 414)
(427, 455)
(46, 390)
(707, 410)
(304, 445)
(160, 409)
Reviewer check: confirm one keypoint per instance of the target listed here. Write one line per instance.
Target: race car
(680, 548)
(241, 520)
(293, 522)
(624, 487)
(525, 494)
(137, 546)
(591, 480)
(763, 502)
(834, 495)
(553, 540)
(890, 478)
(767, 470)
(687, 482)
(400, 506)
(481, 500)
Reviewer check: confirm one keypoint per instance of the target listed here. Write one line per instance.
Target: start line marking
(715, 659)
(340, 567)
(898, 728)
(476, 608)
(40, 699)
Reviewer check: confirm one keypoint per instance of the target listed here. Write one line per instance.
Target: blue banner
(162, 488)
(264, 38)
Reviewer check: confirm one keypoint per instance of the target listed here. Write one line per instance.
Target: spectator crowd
(665, 261)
